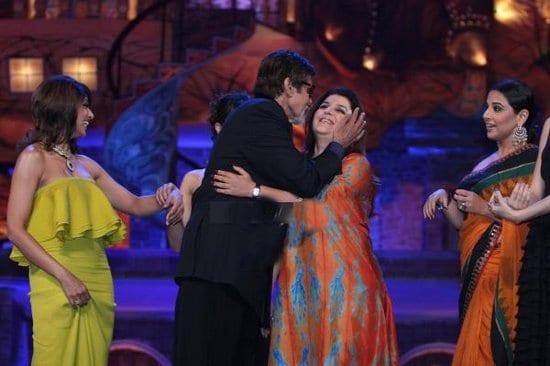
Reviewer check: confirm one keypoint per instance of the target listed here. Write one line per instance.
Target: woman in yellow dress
(61, 219)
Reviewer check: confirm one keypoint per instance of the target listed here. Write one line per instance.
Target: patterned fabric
(490, 256)
(74, 222)
(330, 304)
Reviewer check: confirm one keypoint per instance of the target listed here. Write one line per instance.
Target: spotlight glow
(507, 13)
(370, 62)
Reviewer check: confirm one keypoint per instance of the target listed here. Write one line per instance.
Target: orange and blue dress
(74, 222)
(330, 304)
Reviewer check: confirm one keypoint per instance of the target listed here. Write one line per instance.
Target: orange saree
(330, 304)
(490, 257)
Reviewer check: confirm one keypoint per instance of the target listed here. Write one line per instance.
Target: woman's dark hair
(276, 67)
(54, 108)
(223, 104)
(354, 101)
(520, 97)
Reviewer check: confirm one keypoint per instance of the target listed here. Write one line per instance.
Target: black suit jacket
(235, 240)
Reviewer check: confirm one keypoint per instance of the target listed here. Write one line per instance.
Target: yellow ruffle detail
(71, 208)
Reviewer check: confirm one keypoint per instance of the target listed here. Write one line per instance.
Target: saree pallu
(490, 257)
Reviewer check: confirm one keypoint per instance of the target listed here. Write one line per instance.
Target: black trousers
(215, 326)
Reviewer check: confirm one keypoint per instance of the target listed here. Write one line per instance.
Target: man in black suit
(230, 244)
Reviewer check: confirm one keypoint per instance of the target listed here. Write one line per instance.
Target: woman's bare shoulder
(33, 154)
(31, 163)
(192, 180)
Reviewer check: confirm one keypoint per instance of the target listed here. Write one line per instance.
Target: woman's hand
(169, 196)
(74, 289)
(162, 193)
(437, 200)
(239, 185)
(174, 204)
(469, 201)
(499, 206)
(520, 196)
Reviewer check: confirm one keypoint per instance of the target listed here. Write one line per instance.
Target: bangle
(256, 191)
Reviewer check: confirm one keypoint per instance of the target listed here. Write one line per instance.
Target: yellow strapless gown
(74, 222)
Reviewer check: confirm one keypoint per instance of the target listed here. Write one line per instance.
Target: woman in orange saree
(491, 249)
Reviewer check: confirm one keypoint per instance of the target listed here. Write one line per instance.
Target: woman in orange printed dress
(330, 304)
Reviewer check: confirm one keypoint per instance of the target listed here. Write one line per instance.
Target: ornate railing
(180, 24)
(115, 58)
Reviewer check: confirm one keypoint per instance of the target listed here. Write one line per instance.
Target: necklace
(67, 154)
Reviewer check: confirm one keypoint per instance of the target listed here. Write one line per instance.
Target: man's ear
(288, 89)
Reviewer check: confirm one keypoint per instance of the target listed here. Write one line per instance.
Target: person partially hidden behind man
(231, 243)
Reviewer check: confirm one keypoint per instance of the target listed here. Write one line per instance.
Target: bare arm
(125, 201)
(441, 199)
(240, 184)
(539, 208)
(539, 205)
(189, 184)
(537, 183)
(25, 181)
(500, 207)
(471, 202)
(277, 195)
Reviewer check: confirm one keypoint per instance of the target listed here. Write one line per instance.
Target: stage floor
(425, 311)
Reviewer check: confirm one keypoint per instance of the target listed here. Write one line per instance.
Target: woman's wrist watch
(256, 191)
